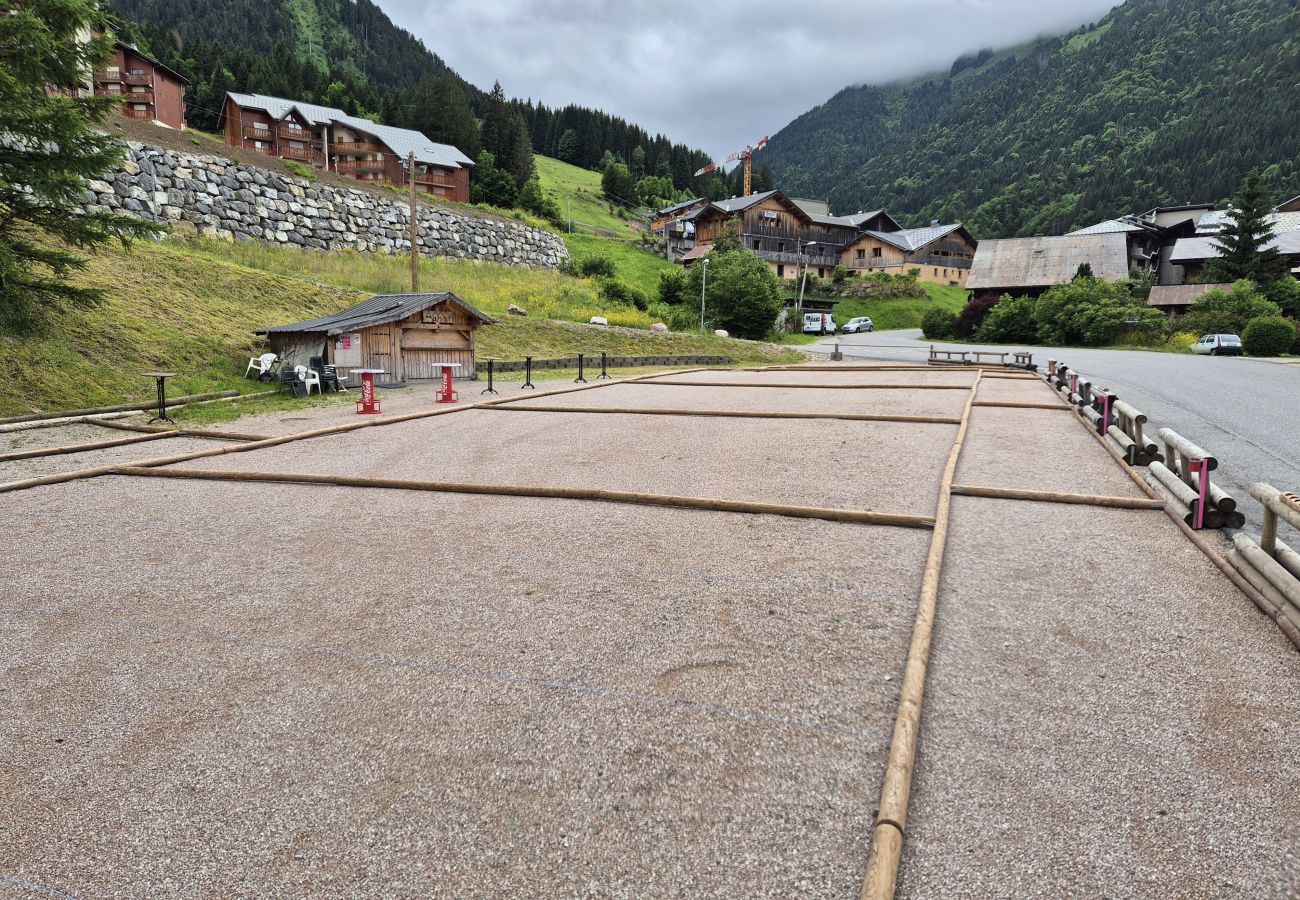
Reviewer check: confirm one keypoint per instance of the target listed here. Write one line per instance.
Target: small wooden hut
(403, 334)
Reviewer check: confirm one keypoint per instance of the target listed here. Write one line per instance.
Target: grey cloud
(716, 75)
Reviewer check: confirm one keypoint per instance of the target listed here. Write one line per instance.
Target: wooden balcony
(352, 148)
(302, 134)
(303, 154)
(437, 179)
(360, 165)
(137, 78)
(132, 113)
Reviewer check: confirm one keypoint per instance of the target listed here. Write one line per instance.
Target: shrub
(1227, 312)
(1011, 322)
(1268, 336)
(972, 315)
(592, 266)
(1285, 292)
(743, 293)
(938, 324)
(1181, 341)
(839, 275)
(1091, 312)
(672, 286)
(614, 291)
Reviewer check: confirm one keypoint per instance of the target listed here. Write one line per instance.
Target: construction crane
(745, 156)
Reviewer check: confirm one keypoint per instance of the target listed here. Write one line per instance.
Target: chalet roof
(812, 207)
(378, 310)
(1045, 261)
(1292, 205)
(696, 252)
(1214, 221)
(153, 62)
(1122, 225)
(669, 210)
(1181, 294)
(1203, 247)
(739, 204)
(834, 221)
(912, 239)
(400, 140)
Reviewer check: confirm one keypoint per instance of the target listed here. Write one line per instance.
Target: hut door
(378, 350)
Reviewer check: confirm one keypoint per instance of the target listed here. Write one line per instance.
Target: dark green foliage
(1090, 312)
(1285, 292)
(1011, 321)
(1084, 270)
(617, 185)
(839, 275)
(50, 146)
(972, 315)
(438, 109)
(532, 198)
(593, 266)
(567, 146)
(673, 286)
(614, 291)
(1170, 104)
(1243, 240)
(1227, 312)
(492, 185)
(938, 324)
(1268, 336)
(742, 295)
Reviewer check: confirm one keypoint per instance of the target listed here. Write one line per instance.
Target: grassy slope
(192, 307)
(633, 265)
(893, 314)
(576, 191)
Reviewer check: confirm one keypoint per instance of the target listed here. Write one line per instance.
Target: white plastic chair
(262, 364)
(309, 377)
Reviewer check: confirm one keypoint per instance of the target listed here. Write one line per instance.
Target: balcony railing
(131, 113)
(261, 134)
(137, 78)
(305, 154)
(352, 147)
(360, 165)
(300, 134)
(431, 178)
(104, 75)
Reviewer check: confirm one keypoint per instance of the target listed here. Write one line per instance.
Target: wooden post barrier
(1201, 514)
(865, 517)
(823, 387)
(84, 448)
(1282, 581)
(121, 407)
(1276, 506)
(187, 432)
(895, 793)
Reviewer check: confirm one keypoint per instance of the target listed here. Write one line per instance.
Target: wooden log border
(971, 490)
(895, 793)
(187, 432)
(858, 516)
(833, 387)
(83, 448)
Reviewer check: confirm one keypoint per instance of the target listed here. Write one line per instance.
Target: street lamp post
(803, 281)
(704, 282)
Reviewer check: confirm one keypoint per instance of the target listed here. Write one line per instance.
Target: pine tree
(1243, 242)
(496, 134)
(520, 163)
(50, 147)
(567, 148)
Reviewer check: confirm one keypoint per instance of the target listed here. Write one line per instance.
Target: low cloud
(720, 75)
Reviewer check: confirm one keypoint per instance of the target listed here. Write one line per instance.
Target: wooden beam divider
(1009, 404)
(837, 387)
(865, 517)
(83, 448)
(187, 432)
(970, 490)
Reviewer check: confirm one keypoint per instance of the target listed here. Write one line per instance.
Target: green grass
(576, 192)
(192, 306)
(902, 312)
(1079, 41)
(634, 265)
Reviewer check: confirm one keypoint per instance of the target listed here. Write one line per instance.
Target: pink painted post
(1051, 368)
(1104, 424)
(1204, 474)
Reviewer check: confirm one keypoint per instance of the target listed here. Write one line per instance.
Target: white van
(818, 323)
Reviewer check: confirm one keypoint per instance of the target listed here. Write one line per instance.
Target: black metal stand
(162, 402)
(603, 359)
(490, 389)
(528, 375)
(580, 379)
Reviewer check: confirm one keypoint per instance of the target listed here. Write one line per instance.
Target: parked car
(1218, 345)
(858, 324)
(818, 323)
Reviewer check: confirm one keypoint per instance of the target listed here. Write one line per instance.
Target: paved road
(1246, 412)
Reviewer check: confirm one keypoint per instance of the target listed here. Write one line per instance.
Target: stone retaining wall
(225, 199)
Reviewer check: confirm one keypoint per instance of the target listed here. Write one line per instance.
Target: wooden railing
(360, 165)
(131, 113)
(356, 147)
(301, 134)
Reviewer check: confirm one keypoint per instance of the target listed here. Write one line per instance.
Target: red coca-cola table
(368, 403)
(447, 395)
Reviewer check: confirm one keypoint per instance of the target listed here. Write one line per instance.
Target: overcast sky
(716, 75)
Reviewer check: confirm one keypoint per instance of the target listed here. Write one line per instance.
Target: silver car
(859, 324)
(1218, 345)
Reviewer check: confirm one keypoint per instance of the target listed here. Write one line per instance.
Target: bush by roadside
(1268, 336)
(939, 324)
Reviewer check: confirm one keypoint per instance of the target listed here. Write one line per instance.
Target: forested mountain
(1161, 102)
(349, 54)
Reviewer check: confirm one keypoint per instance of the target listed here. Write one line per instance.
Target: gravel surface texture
(1089, 733)
(1006, 390)
(18, 469)
(1041, 450)
(821, 376)
(882, 466)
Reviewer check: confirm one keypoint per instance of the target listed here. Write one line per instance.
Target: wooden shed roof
(378, 310)
(1181, 294)
(1045, 261)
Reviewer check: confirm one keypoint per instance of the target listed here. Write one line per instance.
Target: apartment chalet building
(149, 90)
(331, 139)
(789, 233)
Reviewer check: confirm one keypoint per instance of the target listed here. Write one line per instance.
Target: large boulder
(721, 332)
(516, 310)
(659, 326)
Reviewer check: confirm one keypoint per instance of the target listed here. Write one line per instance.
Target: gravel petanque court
(250, 688)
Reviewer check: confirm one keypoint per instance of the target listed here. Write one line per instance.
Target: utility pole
(704, 283)
(415, 229)
(569, 204)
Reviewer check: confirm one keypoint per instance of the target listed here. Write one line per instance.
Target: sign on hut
(403, 334)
